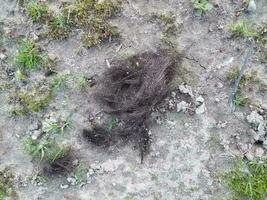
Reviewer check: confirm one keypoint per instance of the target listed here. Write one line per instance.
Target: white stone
(2, 56)
(36, 134)
(201, 109)
(71, 180)
(182, 106)
(252, 6)
(259, 152)
(200, 99)
(255, 119)
(186, 89)
(219, 85)
(91, 172)
(265, 144)
(217, 100)
(249, 156)
(64, 186)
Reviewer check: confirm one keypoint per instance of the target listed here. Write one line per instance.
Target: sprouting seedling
(36, 10)
(56, 127)
(201, 6)
(243, 28)
(113, 123)
(60, 81)
(37, 148)
(27, 55)
(80, 174)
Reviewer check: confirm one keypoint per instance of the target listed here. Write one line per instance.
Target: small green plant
(243, 28)
(45, 149)
(80, 174)
(113, 123)
(59, 27)
(6, 184)
(59, 82)
(59, 127)
(37, 11)
(81, 82)
(201, 6)
(241, 100)
(248, 179)
(19, 75)
(36, 148)
(27, 55)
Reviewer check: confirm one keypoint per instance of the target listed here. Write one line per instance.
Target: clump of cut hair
(129, 89)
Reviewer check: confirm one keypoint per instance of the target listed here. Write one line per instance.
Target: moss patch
(32, 99)
(170, 27)
(6, 184)
(90, 16)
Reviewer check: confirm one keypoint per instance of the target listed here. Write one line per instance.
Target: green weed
(37, 11)
(248, 77)
(59, 127)
(59, 82)
(45, 149)
(248, 179)
(80, 174)
(241, 100)
(59, 27)
(201, 6)
(36, 148)
(80, 82)
(19, 75)
(243, 28)
(27, 55)
(113, 123)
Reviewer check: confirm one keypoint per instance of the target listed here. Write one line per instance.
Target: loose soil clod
(129, 90)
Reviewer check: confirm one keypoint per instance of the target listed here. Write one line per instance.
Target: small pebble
(219, 85)
(2, 56)
(252, 6)
(64, 186)
(71, 180)
(36, 134)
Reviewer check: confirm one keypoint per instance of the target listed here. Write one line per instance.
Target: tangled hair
(129, 89)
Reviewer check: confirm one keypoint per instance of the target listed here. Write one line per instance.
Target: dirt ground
(188, 150)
